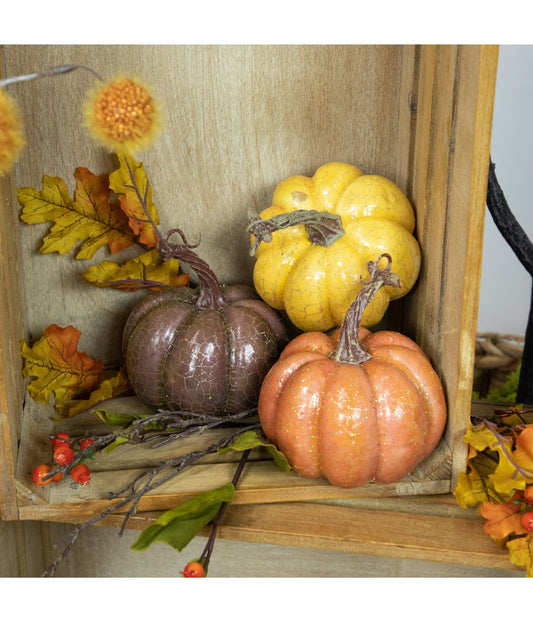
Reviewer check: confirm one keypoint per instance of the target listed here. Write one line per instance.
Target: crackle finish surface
(316, 284)
(353, 423)
(201, 360)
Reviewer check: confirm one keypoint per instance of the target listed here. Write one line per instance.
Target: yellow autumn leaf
(470, 490)
(480, 437)
(521, 553)
(131, 183)
(57, 367)
(108, 389)
(89, 218)
(145, 271)
(515, 465)
(509, 469)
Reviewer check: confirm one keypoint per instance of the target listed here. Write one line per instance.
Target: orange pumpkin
(356, 406)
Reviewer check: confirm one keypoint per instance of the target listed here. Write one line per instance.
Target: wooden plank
(470, 141)
(261, 482)
(391, 534)
(434, 530)
(448, 186)
(11, 331)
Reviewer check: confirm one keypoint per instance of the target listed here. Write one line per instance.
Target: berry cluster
(63, 456)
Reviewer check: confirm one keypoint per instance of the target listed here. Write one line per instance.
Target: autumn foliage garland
(498, 476)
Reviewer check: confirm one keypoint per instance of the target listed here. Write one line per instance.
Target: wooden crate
(241, 119)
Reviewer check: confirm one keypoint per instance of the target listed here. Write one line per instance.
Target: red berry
(86, 442)
(63, 455)
(80, 474)
(527, 520)
(528, 495)
(41, 471)
(60, 440)
(193, 569)
(58, 477)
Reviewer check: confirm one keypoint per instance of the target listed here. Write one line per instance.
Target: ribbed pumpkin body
(316, 284)
(209, 361)
(353, 423)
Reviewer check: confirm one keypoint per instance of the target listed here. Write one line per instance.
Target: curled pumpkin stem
(322, 228)
(350, 348)
(210, 296)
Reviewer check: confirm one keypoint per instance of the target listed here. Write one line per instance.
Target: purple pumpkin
(205, 350)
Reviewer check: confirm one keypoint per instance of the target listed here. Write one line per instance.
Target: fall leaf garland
(499, 469)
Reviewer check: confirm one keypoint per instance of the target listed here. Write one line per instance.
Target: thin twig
(208, 550)
(52, 71)
(185, 421)
(176, 466)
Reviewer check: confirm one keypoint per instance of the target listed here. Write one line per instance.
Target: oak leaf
(57, 367)
(131, 183)
(502, 519)
(89, 218)
(145, 271)
(108, 389)
(470, 489)
(510, 468)
(521, 553)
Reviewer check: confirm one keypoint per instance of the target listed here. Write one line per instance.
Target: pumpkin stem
(350, 349)
(210, 296)
(321, 227)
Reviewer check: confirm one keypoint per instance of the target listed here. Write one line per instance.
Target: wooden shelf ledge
(437, 531)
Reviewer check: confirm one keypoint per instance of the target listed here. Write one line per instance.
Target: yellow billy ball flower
(11, 132)
(122, 114)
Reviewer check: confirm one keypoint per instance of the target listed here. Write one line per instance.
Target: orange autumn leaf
(130, 182)
(89, 218)
(57, 367)
(502, 519)
(146, 271)
(523, 453)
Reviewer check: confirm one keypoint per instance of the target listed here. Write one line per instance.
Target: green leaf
(251, 440)
(120, 440)
(180, 525)
(120, 419)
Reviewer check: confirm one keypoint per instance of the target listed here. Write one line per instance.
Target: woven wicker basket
(496, 356)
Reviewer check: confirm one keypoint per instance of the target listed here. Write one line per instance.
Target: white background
(505, 284)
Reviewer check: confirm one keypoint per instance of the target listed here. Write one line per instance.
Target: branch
(174, 465)
(521, 245)
(506, 222)
(208, 550)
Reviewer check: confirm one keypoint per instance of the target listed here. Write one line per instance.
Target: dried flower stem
(52, 71)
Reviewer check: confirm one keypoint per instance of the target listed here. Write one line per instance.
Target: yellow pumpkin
(316, 278)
